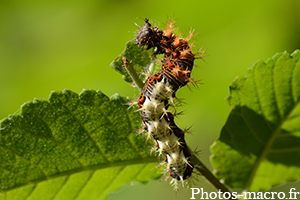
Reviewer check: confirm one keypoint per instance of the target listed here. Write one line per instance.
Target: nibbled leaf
(72, 147)
(138, 58)
(259, 145)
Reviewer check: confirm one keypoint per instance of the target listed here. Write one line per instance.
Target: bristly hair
(159, 93)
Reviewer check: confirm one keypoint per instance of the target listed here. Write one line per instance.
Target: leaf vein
(85, 130)
(60, 144)
(61, 188)
(284, 150)
(56, 142)
(275, 96)
(13, 172)
(259, 101)
(84, 185)
(138, 173)
(251, 130)
(293, 88)
(21, 156)
(112, 125)
(89, 168)
(110, 183)
(128, 140)
(31, 192)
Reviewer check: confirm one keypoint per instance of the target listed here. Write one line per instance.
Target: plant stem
(133, 74)
(209, 175)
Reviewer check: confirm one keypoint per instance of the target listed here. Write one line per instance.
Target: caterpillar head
(152, 37)
(144, 34)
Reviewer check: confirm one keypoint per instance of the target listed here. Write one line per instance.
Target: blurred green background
(52, 45)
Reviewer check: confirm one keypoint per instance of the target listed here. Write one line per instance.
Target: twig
(209, 175)
(133, 74)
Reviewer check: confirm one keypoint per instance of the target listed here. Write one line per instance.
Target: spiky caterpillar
(159, 92)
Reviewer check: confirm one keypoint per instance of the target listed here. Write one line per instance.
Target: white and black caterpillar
(159, 92)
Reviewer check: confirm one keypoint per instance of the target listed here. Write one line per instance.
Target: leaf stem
(125, 163)
(209, 175)
(138, 82)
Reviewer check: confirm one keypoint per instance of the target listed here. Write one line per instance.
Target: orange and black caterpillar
(159, 92)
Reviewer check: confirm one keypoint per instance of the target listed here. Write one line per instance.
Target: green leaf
(138, 57)
(259, 145)
(72, 147)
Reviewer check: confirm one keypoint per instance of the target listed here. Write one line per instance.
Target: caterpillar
(159, 93)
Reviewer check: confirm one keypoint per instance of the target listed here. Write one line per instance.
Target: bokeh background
(51, 45)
